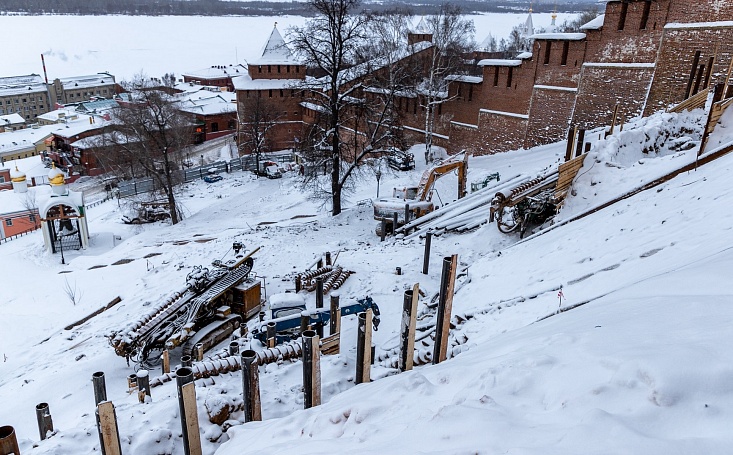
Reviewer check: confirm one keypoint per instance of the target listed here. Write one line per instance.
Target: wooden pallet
(567, 172)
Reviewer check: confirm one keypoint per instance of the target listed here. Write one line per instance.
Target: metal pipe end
(98, 374)
(309, 334)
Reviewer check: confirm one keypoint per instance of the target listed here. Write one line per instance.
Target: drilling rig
(214, 302)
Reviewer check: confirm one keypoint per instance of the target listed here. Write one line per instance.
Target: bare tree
(147, 132)
(257, 119)
(583, 18)
(452, 39)
(31, 205)
(330, 43)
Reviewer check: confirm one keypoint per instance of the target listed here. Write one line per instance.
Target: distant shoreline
(259, 8)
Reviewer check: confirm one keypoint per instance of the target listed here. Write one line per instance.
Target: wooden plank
(411, 329)
(367, 347)
(443, 348)
(330, 344)
(108, 425)
(192, 418)
(695, 102)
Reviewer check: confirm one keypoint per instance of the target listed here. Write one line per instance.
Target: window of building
(259, 68)
(470, 92)
(270, 93)
(8, 222)
(282, 93)
(509, 77)
(496, 76)
(231, 124)
(25, 100)
(32, 218)
(287, 68)
(297, 69)
(278, 68)
(548, 49)
(214, 127)
(622, 16)
(565, 49)
(40, 98)
(269, 68)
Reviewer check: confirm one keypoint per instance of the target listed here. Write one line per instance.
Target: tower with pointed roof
(275, 78)
(420, 33)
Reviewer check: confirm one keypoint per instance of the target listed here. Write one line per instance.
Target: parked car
(212, 176)
(400, 160)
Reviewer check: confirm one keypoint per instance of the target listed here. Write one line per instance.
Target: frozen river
(155, 45)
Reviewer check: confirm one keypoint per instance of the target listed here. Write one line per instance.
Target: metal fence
(244, 163)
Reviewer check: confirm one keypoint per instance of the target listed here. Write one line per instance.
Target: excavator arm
(427, 182)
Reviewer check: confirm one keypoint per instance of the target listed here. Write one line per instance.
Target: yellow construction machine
(409, 203)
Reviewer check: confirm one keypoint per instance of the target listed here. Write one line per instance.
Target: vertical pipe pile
(189, 414)
(407, 329)
(45, 422)
(100, 387)
(186, 361)
(143, 385)
(311, 369)
(271, 334)
(251, 386)
(334, 323)
(8, 441)
(364, 347)
(165, 364)
(319, 292)
(445, 306)
(234, 348)
(426, 259)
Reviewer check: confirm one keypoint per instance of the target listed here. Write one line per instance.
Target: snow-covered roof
(11, 201)
(595, 24)
(559, 36)
(276, 51)
(421, 27)
(64, 114)
(464, 78)
(217, 72)
(718, 24)
(18, 85)
(314, 107)
(11, 119)
(97, 106)
(524, 56)
(245, 82)
(498, 62)
(208, 105)
(94, 80)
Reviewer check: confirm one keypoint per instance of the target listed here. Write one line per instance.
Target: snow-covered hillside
(639, 365)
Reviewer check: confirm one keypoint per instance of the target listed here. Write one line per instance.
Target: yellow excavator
(409, 203)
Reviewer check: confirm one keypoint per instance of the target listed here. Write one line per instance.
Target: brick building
(26, 96)
(215, 76)
(82, 88)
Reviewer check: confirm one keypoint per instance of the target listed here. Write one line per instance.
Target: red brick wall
(549, 116)
(632, 44)
(602, 87)
(556, 73)
(676, 57)
(499, 97)
(686, 11)
(496, 133)
(277, 71)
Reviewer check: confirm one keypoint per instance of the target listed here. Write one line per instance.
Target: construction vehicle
(213, 303)
(147, 212)
(532, 202)
(287, 311)
(409, 203)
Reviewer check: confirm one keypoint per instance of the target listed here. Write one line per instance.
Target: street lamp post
(379, 176)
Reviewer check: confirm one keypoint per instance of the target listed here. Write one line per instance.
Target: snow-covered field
(126, 45)
(643, 367)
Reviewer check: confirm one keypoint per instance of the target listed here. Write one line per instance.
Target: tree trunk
(169, 190)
